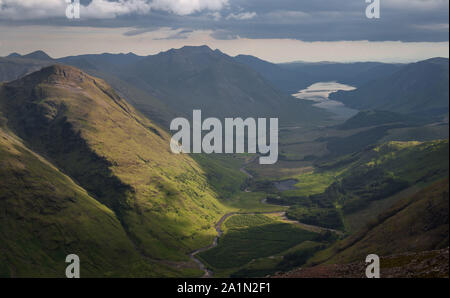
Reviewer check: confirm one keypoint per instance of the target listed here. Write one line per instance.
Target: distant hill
(38, 55)
(121, 161)
(14, 55)
(419, 88)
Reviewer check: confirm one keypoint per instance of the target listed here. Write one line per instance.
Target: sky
(274, 30)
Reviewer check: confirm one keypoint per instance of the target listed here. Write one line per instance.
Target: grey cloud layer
(308, 20)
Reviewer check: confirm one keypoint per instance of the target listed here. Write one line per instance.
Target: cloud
(186, 7)
(106, 9)
(31, 9)
(96, 9)
(103, 9)
(241, 16)
(179, 34)
(307, 20)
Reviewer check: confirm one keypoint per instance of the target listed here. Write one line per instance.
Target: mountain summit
(38, 55)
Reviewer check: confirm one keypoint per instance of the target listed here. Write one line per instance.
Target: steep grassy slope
(123, 160)
(44, 216)
(413, 224)
(420, 88)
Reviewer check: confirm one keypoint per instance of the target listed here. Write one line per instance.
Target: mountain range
(176, 82)
(292, 77)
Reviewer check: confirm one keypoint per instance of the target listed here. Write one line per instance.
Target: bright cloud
(104, 9)
(186, 7)
(31, 9)
(101, 9)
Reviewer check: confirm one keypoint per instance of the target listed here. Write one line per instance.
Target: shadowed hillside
(419, 88)
(292, 77)
(200, 78)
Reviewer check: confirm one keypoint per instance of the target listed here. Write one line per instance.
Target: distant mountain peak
(193, 50)
(197, 48)
(436, 60)
(14, 55)
(38, 55)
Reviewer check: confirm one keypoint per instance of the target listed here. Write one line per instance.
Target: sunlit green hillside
(162, 201)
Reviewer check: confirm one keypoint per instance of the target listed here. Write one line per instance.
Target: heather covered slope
(427, 264)
(121, 158)
(414, 224)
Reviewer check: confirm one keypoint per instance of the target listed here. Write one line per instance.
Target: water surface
(320, 94)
